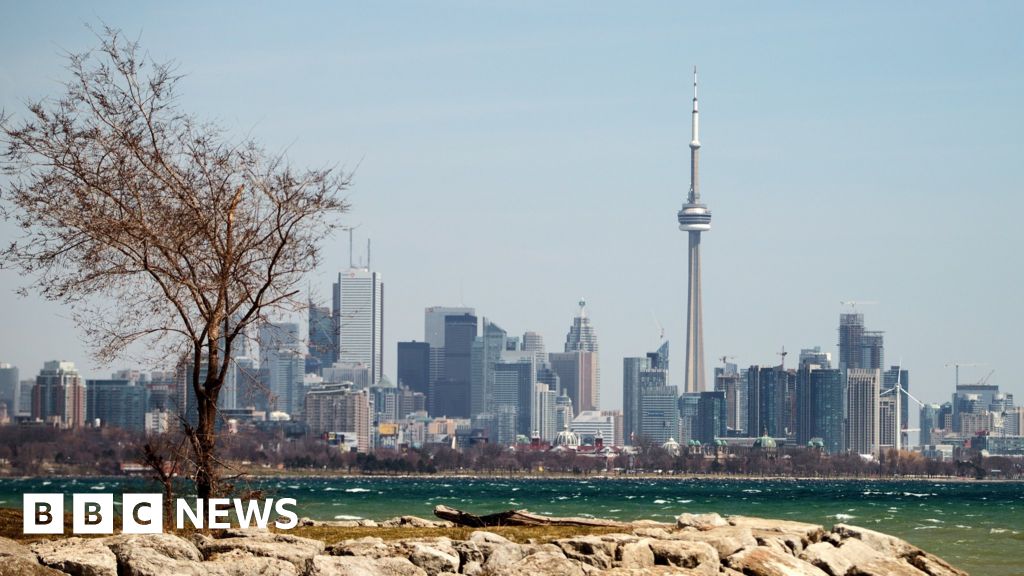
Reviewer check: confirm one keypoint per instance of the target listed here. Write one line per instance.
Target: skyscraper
(433, 334)
(118, 402)
(10, 390)
(414, 366)
(58, 396)
(859, 348)
(283, 365)
(323, 344)
(578, 369)
(451, 394)
(359, 315)
(862, 410)
(694, 218)
(486, 352)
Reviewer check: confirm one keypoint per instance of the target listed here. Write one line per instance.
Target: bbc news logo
(94, 513)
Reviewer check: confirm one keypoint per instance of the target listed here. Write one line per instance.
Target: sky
(518, 156)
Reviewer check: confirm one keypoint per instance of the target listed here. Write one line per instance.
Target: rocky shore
(705, 544)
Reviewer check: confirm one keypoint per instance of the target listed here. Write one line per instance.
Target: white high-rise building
(359, 315)
(542, 414)
(863, 432)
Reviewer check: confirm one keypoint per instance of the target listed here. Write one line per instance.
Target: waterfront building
(821, 412)
(414, 366)
(659, 408)
(771, 393)
(339, 409)
(359, 314)
(514, 384)
(486, 351)
(694, 218)
(689, 416)
(862, 410)
(58, 396)
(929, 423)
(591, 424)
(892, 376)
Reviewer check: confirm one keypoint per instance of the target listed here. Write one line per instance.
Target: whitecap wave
(347, 517)
(356, 490)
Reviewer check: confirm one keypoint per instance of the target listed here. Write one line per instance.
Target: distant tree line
(40, 451)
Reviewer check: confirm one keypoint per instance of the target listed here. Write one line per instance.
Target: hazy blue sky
(517, 156)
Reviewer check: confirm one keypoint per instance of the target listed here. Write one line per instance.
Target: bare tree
(156, 228)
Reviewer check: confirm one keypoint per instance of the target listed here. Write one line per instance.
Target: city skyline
(804, 162)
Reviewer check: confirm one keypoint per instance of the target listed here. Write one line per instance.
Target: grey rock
(700, 521)
(77, 556)
(240, 563)
(414, 522)
(593, 550)
(762, 561)
(636, 555)
(21, 566)
(481, 536)
(876, 540)
(726, 541)
(363, 566)
(468, 552)
(700, 557)
(808, 532)
(368, 546)
(298, 551)
(827, 557)
(472, 568)
(503, 555)
(546, 562)
(885, 566)
(934, 566)
(432, 560)
(167, 545)
(11, 549)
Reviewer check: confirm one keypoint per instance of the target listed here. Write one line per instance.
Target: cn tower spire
(694, 218)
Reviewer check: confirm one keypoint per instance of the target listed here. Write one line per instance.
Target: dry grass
(11, 527)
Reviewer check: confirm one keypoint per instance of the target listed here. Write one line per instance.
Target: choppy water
(976, 526)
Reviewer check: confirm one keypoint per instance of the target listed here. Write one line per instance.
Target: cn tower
(694, 218)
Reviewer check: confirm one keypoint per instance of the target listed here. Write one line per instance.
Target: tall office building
(10, 388)
(58, 396)
(283, 364)
(359, 315)
(862, 410)
(487, 350)
(657, 405)
(929, 423)
(434, 335)
(451, 393)
(729, 380)
(828, 409)
(534, 343)
(637, 374)
(770, 407)
(858, 347)
(581, 334)
(694, 218)
(514, 380)
(577, 373)
(712, 417)
(889, 380)
(323, 344)
(414, 366)
(542, 412)
(117, 402)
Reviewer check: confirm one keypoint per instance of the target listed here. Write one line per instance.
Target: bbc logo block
(93, 514)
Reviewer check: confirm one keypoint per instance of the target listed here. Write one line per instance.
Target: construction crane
(783, 354)
(984, 380)
(661, 329)
(855, 303)
(965, 365)
(725, 359)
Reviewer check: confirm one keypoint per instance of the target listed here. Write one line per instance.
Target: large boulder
(594, 550)
(726, 541)
(700, 521)
(363, 566)
(827, 557)
(545, 562)
(809, 533)
(762, 561)
(433, 560)
(700, 557)
(240, 563)
(167, 545)
(77, 556)
(636, 554)
(857, 540)
(293, 549)
(500, 555)
(11, 549)
(369, 546)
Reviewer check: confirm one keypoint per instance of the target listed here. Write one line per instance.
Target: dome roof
(720, 442)
(671, 444)
(765, 441)
(567, 438)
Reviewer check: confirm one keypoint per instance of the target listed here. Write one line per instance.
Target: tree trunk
(205, 442)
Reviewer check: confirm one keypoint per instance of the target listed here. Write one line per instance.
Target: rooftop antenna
(350, 229)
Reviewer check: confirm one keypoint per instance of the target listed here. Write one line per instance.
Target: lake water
(976, 526)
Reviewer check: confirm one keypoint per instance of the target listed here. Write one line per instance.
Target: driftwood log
(516, 518)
